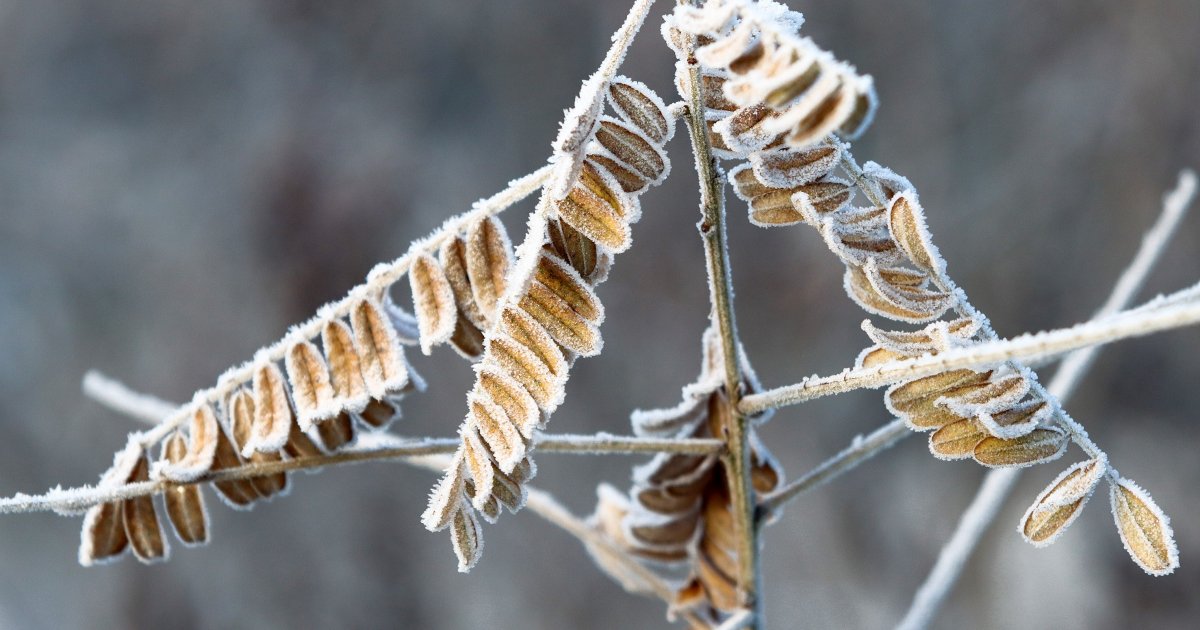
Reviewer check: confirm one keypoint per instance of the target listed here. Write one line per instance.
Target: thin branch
(712, 232)
(116, 396)
(999, 483)
(860, 450)
(381, 277)
(1133, 323)
(740, 619)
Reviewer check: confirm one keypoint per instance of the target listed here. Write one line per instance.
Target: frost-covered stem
(1134, 323)
(859, 451)
(737, 621)
(378, 281)
(998, 483)
(116, 396)
(604, 444)
(712, 231)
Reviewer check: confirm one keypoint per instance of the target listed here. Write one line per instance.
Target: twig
(116, 396)
(998, 483)
(860, 450)
(1134, 323)
(740, 619)
(737, 457)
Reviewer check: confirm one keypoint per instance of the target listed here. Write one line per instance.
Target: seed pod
(453, 258)
(380, 412)
(632, 149)
(384, 367)
(570, 329)
(489, 256)
(336, 432)
(479, 463)
(236, 493)
(1035, 447)
(510, 395)
(446, 497)
(467, 339)
(502, 436)
(597, 210)
(573, 246)
(345, 367)
(202, 447)
(957, 440)
(906, 222)
(185, 504)
(103, 538)
(241, 417)
(785, 167)
(1145, 530)
(640, 106)
(312, 391)
(467, 539)
(272, 413)
(1061, 502)
(141, 520)
(433, 302)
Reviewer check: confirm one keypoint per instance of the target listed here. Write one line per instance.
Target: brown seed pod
(498, 431)
(558, 276)
(141, 520)
(272, 413)
(453, 258)
(446, 497)
(467, 339)
(786, 167)
(489, 256)
(906, 222)
(241, 423)
(479, 463)
(345, 367)
(573, 246)
(103, 538)
(1060, 503)
(914, 401)
(380, 412)
(336, 432)
(956, 440)
(511, 396)
(312, 391)
(467, 539)
(433, 302)
(597, 209)
(1035, 447)
(1145, 530)
(527, 368)
(202, 431)
(570, 329)
(384, 367)
(185, 503)
(640, 106)
(633, 149)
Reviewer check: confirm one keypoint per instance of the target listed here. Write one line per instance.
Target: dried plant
(781, 112)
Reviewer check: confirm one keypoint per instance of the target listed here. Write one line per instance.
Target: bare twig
(737, 457)
(860, 450)
(998, 483)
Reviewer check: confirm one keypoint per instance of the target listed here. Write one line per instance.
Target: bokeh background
(180, 181)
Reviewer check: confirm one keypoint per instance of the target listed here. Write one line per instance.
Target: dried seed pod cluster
(543, 313)
(356, 383)
(765, 85)
(678, 510)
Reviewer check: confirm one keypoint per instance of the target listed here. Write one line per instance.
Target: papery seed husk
(1035, 447)
(822, 198)
(876, 355)
(663, 531)
(626, 176)
(312, 391)
(746, 184)
(345, 367)
(467, 539)
(103, 538)
(237, 493)
(141, 520)
(573, 247)
(382, 359)
(502, 437)
(859, 288)
(920, 393)
(1001, 393)
(570, 329)
(479, 463)
(489, 257)
(1057, 506)
(1017, 420)
(1145, 530)
(511, 396)
(380, 412)
(775, 209)
(467, 339)
(272, 412)
(785, 167)
(453, 258)
(185, 503)
(446, 497)
(594, 208)
(1043, 525)
(519, 362)
(640, 106)
(299, 444)
(721, 588)
(202, 447)
(860, 117)
(433, 302)
(957, 440)
(336, 432)
(632, 148)
(558, 276)
(906, 222)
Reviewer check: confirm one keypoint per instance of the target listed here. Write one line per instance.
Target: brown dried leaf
(906, 221)
(570, 329)
(382, 357)
(633, 149)
(272, 413)
(241, 416)
(1060, 503)
(299, 444)
(511, 396)
(467, 339)
(639, 105)
(185, 504)
(479, 463)
(502, 436)
(453, 258)
(558, 276)
(915, 400)
(956, 440)
(336, 432)
(785, 167)
(489, 256)
(312, 391)
(467, 539)
(573, 246)
(141, 520)
(1145, 530)
(202, 431)
(433, 301)
(236, 493)
(597, 210)
(1001, 393)
(527, 368)
(446, 497)
(345, 367)
(1017, 420)
(859, 288)
(1035, 447)
(103, 539)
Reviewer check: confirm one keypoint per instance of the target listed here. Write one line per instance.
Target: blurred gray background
(180, 181)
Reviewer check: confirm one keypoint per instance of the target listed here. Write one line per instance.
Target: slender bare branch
(1134, 323)
(116, 396)
(860, 450)
(999, 483)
